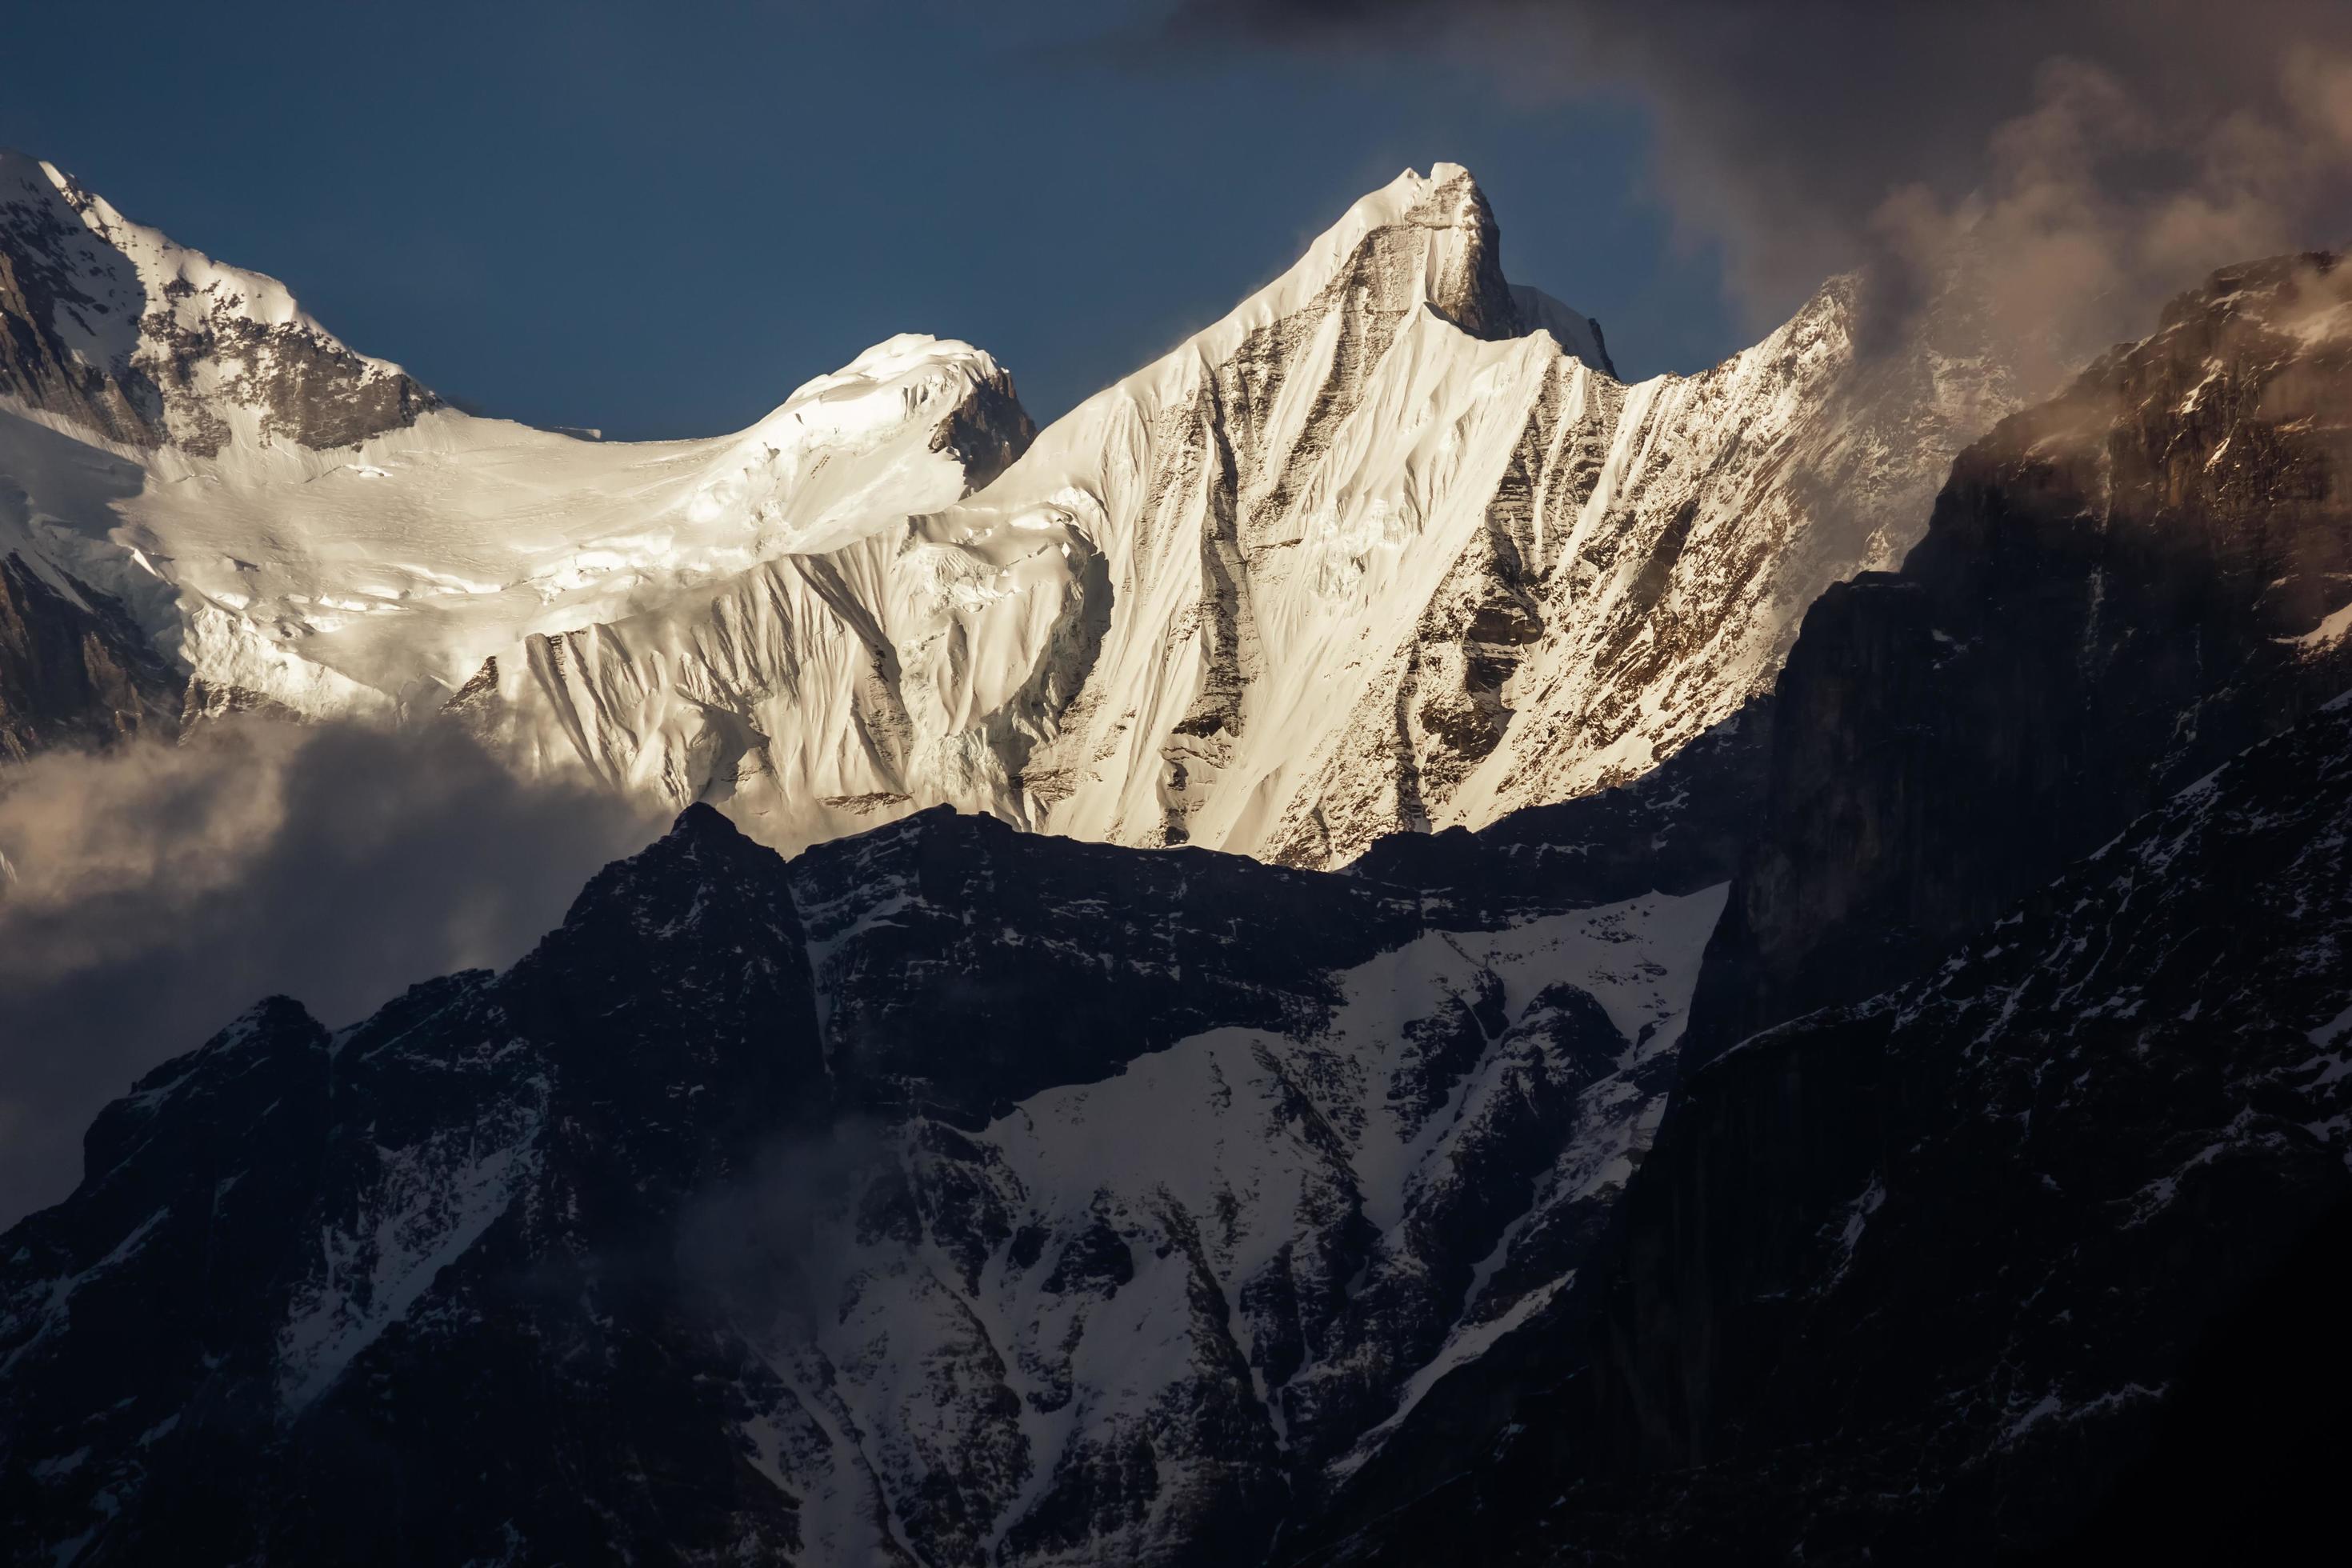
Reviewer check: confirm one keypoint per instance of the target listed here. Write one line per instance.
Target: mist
(150, 893)
(769, 1248)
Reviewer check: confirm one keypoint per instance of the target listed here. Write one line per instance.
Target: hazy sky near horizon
(659, 220)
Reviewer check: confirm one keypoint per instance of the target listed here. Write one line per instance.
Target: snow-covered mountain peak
(1413, 242)
(1448, 197)
(1387, 546)
(255, 296)
(299, 525)
(889, 386)
(893, 359)
(829, 464)
(147, 342)
(1417, 243)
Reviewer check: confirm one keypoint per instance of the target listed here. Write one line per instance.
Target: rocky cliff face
(1924, 1275)
(321, 1187)
(112, 326)
(948, 1194)
(2035, 1259)
(2118, 590)
(75, 668)
(1913, 1278)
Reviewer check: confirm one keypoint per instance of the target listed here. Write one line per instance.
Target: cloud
(2078, 160)
(152, 892)
(771, 1247)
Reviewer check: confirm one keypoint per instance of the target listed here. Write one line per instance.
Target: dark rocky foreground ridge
(953, 1195)
(1995, 1265)
(1913, 1277)
(2119, 589)
(699, 1234)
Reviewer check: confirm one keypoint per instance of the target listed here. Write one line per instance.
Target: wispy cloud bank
(2079, 160)
(154, 891)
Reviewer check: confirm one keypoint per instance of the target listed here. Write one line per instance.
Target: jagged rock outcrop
(2119, 589)
(109, 324)
(75, 669)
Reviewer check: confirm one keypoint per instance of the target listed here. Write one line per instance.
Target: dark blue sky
(660, 218)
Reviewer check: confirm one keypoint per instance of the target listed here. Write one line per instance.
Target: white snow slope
(954, 1397)
(1388, 547)
(379, 575)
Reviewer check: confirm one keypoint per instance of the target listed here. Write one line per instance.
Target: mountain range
(1388, 548)
(1376, 947)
